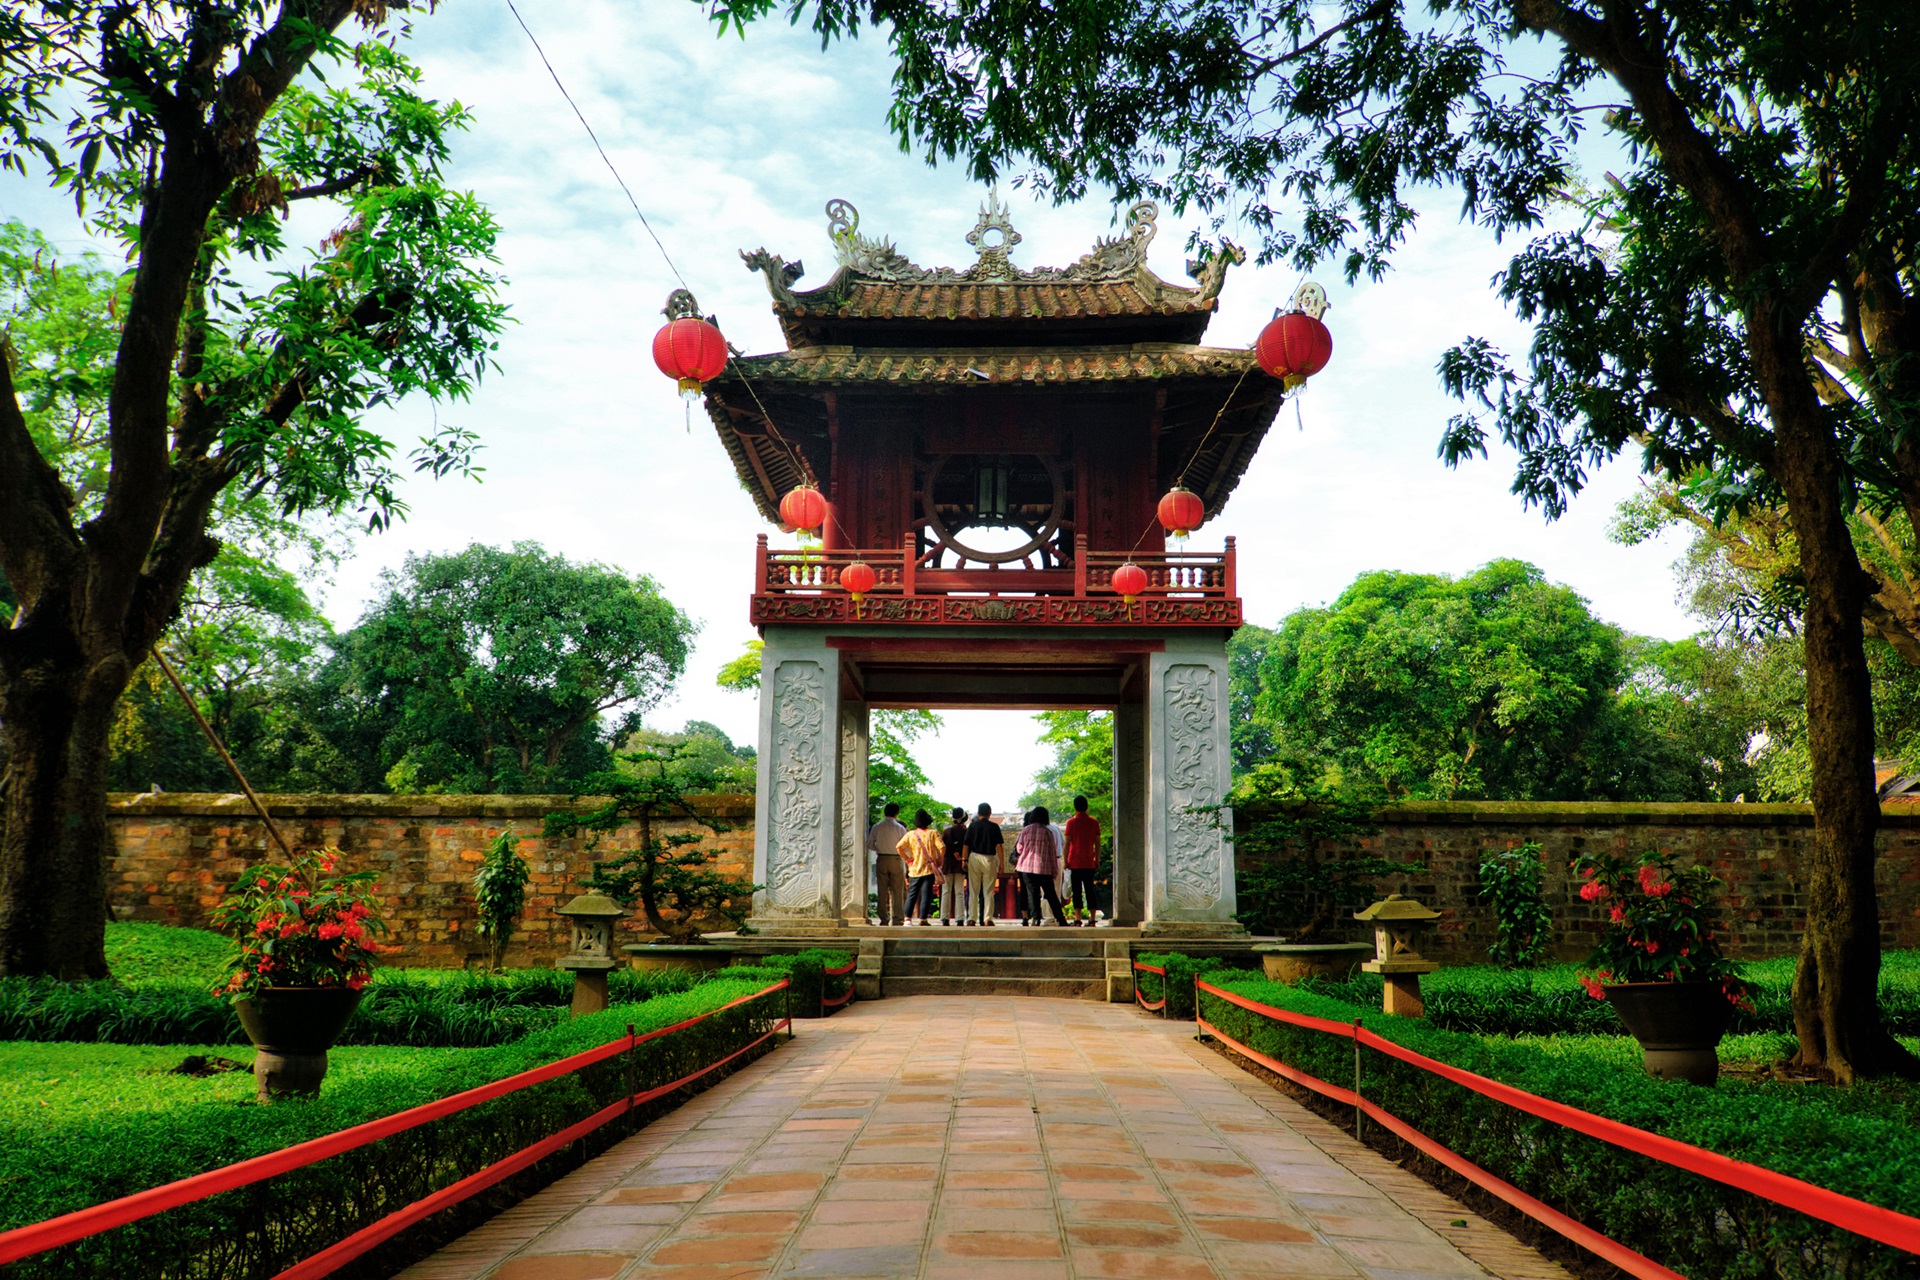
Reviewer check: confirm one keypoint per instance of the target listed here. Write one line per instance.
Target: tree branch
(36, 527)
(334, 186)
(1379, 9)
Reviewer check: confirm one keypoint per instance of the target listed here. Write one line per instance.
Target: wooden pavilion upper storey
(992, 441)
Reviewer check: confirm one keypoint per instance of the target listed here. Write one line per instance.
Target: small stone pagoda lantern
(592, 914)
(1396, 921)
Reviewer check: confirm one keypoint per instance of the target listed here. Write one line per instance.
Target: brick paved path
(990, 1138)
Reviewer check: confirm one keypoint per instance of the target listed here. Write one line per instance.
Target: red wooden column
(908, 563)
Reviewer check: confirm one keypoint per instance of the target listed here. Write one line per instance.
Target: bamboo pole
(221, 747)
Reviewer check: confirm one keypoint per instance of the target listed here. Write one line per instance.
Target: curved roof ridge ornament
(876, 259)
(1209, 270)
(994, 263)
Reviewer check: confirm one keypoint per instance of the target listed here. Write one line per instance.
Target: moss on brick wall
(178, 853)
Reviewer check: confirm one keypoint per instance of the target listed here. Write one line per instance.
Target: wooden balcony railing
(1171, 575)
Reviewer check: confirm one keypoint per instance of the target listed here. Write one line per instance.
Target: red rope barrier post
(1359, 1112)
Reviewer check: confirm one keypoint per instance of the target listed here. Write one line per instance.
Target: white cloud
(731, 144)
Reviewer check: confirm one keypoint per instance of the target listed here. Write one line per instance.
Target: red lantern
(804, 508)
(1293, 347)
(688, 349)
(1129, 580)
(858, 578)
(1181, 511)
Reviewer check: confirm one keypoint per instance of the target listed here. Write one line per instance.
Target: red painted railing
(844, 971)
(1869, 1220)
(1171, 575)
(24, 1242)
(1151, 1006)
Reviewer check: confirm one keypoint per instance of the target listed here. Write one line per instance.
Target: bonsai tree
(668, 875)
(500, 894)
(1292, 832)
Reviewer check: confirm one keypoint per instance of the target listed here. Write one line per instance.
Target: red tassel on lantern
(1181, 511)
(858, 578)
(1129, 580)
(688, 349)
(1293, 347)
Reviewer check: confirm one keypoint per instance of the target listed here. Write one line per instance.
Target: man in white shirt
(889, 873)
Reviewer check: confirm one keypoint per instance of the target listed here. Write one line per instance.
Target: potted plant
(306, 948)
(1659, 962)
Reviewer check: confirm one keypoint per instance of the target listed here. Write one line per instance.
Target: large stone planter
(1290, 962)
(1678, 1025)
(292, 1028)
(696, 957)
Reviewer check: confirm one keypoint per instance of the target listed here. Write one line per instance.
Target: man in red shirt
(1083, 856)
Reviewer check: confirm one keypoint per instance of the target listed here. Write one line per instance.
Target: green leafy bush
(75, 1158)
(1855, 1141)
(1178, 984)
(1510, 882)
(500, 894)
(1484, 1000)
(805, 969)
(418, 1007)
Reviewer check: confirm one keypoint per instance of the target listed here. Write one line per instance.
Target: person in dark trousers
(953, 870)
(1083, 857)
(920, 851)
(1038, 862)
(984, 842)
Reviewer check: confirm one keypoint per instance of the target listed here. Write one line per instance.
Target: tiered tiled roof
(884, 324)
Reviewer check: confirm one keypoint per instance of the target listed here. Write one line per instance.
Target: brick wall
(1757, 849)
(177, 854)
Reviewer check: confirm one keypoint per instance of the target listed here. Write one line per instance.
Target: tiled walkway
(990, 1138)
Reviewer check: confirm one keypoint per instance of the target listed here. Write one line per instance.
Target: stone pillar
(1129, 814)
(850, 855)
(1189, 857)
(797, 810)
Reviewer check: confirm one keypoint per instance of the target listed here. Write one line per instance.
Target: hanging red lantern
(1293, 347)
(688, 349)
(1181, 511)
(1129, 580)
(804, 508)
(858, 578)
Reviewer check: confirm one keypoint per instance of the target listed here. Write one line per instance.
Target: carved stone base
(283, 1074)
(1193, 929)
(1402, 996)
(589, 992)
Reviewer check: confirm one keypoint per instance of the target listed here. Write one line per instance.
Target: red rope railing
(844, 996)
(1153, 1006)
(1872, 1221)
(24, 1242)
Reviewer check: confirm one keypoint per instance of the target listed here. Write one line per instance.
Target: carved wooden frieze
(1195, 773)
(797, 833)
(1069, 611)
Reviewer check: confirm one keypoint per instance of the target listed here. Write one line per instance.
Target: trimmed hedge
(54, 1168)
(422, 1008)
(1181, 971)
(1856, 1141)
(1485, 1000)
(806, 971)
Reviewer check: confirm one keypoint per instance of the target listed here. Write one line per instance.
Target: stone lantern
(592, 915)
(1396, 922)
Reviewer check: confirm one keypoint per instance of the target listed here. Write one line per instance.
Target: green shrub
(420, 1007)
(805, 970)
(1181, 971)
(1855, 1141)
(1484, 1000)
(77, 1158)
(1510, 883)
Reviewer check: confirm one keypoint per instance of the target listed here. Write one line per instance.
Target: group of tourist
(960, 865)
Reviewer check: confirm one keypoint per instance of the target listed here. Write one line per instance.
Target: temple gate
(991, 443)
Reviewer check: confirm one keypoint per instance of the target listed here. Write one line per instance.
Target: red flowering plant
(1661, 923)
(304, 925)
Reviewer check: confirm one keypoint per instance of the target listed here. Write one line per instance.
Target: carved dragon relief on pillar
(1194, 774)
(796, 833)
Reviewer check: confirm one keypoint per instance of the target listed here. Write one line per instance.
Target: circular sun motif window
(995, 508)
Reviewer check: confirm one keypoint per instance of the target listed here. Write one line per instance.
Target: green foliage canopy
(492, 670)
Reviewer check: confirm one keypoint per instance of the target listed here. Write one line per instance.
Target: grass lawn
(140, 953)
(42, 1084)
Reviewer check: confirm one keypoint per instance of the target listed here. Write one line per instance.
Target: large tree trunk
(1836, 1010)
(54, 845)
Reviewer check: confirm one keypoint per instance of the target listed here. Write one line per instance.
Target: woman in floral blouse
(921, 850)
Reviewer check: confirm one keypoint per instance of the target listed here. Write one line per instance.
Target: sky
(730, 145)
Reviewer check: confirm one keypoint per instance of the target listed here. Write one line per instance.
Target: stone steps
(1057, 963)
